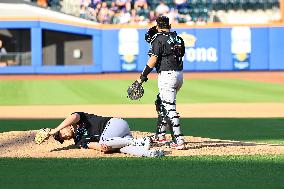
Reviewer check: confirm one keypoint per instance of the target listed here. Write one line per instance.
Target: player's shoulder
(158, 37)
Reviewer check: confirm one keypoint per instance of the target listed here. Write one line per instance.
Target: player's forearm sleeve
(145, 73)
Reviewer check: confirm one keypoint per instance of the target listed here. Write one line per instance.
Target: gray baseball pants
(117, 135)
(169, 83)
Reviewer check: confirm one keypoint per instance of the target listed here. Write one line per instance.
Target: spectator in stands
(152, 16)
(214, 17)
(103, 14)
(54, 4)
(115, 18)
(83, 11)
(121, 17)
(92, 12)
(140, 4)
(134, 17)
(141, 8)
(142, 20)
(125, 17)
(185, 18)
(86, 3)
(124, 4)
(95, 2)
(162, 8)
(3, 52)
(182, 6)
(173, 15)
(200, 20)
(2, 48)
(179, 2)
(42, 3)
(113, 7)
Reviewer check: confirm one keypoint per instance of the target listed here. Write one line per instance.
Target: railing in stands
(15, 59)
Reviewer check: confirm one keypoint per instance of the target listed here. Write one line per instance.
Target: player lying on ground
(102, 133)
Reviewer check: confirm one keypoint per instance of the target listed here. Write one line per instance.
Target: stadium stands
(179, 11)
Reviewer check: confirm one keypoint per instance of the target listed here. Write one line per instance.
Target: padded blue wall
(207, 49)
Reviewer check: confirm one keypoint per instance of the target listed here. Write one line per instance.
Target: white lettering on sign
(201, 54)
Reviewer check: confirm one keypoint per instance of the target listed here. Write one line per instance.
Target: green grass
(230, 172)
(52, 92)
(267, 130)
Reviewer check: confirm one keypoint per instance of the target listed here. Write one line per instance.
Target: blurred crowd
(146, 11)
(127, 11)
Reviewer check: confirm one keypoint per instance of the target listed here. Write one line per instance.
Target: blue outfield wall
(124, 50)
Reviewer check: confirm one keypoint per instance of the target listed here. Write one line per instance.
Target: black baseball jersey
(163, 46)
(89, 128)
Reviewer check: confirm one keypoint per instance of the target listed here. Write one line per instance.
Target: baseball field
(233, 125)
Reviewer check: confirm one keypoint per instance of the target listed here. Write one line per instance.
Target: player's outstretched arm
(74, 118)
(148, 68)
(44, 133)
(136, 91)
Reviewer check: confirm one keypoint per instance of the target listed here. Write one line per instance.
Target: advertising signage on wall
(201, 49)
(125, 50)
(195, 53)
(128, 48)
(241, 47)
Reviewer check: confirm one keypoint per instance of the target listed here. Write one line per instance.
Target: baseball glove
(150, 33)
(135, 91)
(42, 135)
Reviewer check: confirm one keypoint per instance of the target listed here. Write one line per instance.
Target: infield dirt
(21, 144)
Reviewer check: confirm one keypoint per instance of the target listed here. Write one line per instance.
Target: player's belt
(166, 71)
(169, 71)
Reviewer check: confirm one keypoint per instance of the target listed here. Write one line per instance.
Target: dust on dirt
(21, 144)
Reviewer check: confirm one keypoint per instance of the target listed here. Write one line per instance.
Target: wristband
(145, 73)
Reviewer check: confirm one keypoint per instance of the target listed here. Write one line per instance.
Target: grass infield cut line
(267, 130)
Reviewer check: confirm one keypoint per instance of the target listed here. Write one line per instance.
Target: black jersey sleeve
(80, 130)
(156, 48)
(182, 45)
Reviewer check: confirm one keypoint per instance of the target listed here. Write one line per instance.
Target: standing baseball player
(166, 52)
(103, 134)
